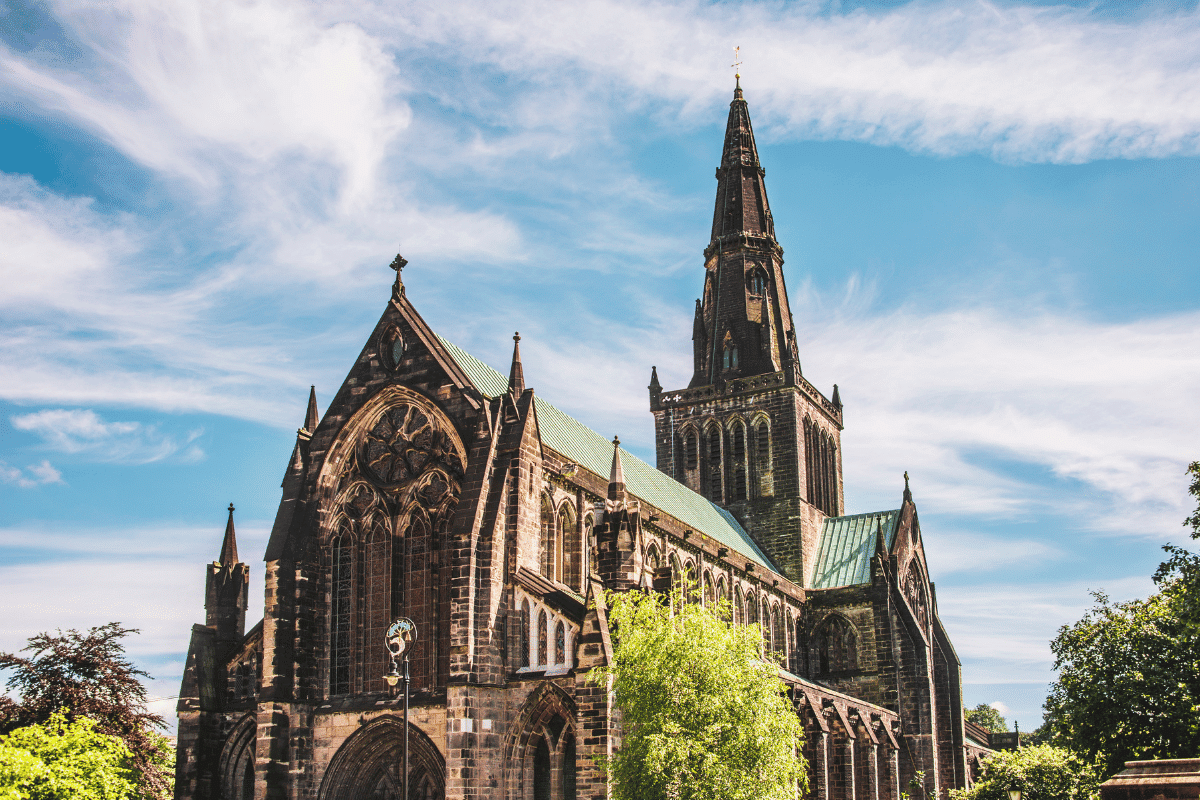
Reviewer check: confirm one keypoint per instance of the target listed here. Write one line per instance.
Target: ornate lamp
(1014, 794)
(399, 638)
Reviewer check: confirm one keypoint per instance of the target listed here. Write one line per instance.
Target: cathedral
(436, 489)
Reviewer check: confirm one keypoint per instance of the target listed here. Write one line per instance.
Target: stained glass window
(542, 636)
(340, 624)
(560, 643)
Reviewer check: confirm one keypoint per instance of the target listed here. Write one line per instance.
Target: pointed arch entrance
(368, 765)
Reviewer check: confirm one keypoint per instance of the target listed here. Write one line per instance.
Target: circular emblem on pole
(400, 634)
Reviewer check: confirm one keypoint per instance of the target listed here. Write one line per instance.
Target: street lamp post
(399, 638)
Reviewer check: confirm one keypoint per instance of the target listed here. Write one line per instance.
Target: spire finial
(907, 491)
(398, 264)
(616, 475)
(311, 418)
(654, 386)
(229, 554)
(737, 63)
(516, 375)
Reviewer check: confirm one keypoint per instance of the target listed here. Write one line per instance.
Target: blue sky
(987, 209)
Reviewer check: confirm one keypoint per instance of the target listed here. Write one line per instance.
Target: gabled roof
(847, 545)
(582, 445)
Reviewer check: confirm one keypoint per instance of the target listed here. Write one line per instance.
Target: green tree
(703, 715)
(1128, 686)
(87, 675)
(62, 760)
(987, 718)
(1041, 772)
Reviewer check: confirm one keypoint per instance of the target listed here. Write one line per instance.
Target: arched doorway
(368, 765)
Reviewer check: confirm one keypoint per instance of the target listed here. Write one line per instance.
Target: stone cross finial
(398, 264)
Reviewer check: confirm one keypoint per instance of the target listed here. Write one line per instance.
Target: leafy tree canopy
(62, 760)
(1129, 673)
(1041, 772)
(87, 675)
(704, 716)
(987, 718)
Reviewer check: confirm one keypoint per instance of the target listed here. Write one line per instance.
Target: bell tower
(749, 432)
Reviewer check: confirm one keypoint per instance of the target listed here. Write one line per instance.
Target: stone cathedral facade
(438, 489)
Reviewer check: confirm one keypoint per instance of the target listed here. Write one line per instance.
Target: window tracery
(395, 497)
(834, 646)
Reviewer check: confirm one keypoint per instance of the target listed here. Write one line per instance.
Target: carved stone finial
(398, 264)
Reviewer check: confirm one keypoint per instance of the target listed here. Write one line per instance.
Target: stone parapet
(1165, 779)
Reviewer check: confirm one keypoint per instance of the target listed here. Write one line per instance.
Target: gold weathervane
(737, 62)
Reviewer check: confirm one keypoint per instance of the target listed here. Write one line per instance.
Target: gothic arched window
(729, 358)
(715, 479)
(377, 606)
(572, 548)
(709, 592)
(739, 613)
(560, 643)
(761, 439)
(834, 646)
(543, 635)
(341, 616)
(547, 538)
(523, 635)
(757, 283)
(689, 449)
(738, 461)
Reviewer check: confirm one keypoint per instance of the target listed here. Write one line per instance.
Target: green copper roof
(847, 544)
(590, 450)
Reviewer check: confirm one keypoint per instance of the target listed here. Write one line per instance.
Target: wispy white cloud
(82, 431)
(1044, 83)
(31, 476)
(1004, 630)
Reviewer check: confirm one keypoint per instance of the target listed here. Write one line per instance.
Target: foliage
(1129, 673)
(88, 675)
(61, 759)
(704, 716)
(1041, 772)
(987, 718)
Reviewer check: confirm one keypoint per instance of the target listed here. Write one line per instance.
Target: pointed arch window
(709, 591)
(834, 646)
(377, 605)
(713, 452)
(543, 635)
(560, 643)
(738, 461)
(342, 589)
(739, 614)
(760, 439)
(757, 283)
(523, 635)
(729, 358)
(547, 538)
(571, 549)
(690, 454)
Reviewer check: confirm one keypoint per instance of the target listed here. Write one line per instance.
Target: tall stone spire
(229, 554)
(741, 193)
(743, 323)
(516, 375)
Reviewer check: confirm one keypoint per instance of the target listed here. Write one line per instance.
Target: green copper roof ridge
(671, 497)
